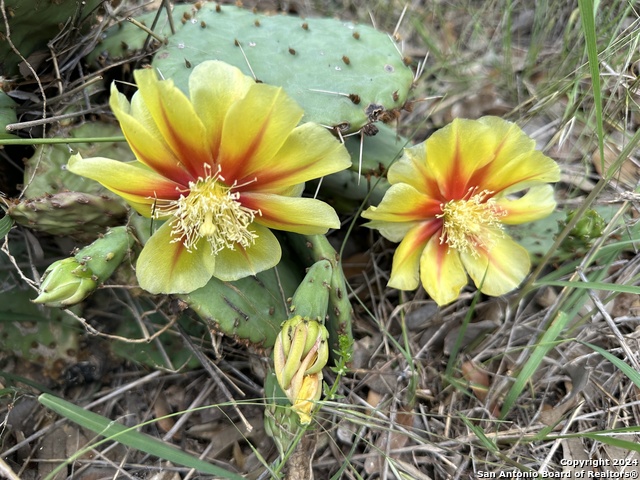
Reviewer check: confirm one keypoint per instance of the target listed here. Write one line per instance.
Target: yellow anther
(210, 210)
(467, 222)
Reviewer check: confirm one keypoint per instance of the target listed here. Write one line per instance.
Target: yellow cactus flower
(220, 167)
(449, 199)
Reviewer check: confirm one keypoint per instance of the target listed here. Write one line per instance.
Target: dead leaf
(161, 411)
(574, 451)
(299, 464)
(52, 447)
(238, 456)
(166, 474)
(373, 399)
(478, 379)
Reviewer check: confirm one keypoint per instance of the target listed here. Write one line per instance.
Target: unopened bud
(69, 281)
(300, 353)
(66, 282)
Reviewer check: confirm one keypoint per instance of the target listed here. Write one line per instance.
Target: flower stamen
(471, 223)
(210, 210)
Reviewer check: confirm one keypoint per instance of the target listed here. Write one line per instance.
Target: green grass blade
(485, 441)
(588, 16)
(608, 287)
(13, 378)
(52, 141)
(630, 372)
(613, 441)
(129, 437)
(546, 343)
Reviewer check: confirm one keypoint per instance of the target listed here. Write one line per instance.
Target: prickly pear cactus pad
(46, 338)
(251, 309)
(61, 203)
(344, 75)
(372, 156)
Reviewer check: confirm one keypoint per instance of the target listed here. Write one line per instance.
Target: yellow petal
(394, 231)
(455, 152)
(508, 140)
(537, 203)
(516, 161)
(144, 138)
(506, 264)
(309, 392)
(527, 170)
(441, 272)
(166, 267)
(264, 254)
(403, 203)
(290, 191)
(309, 152)
(213, 87)
(299, 215)
(132, 181)
(255, 128)
(412, 169)
(404, 270)
(176, 120)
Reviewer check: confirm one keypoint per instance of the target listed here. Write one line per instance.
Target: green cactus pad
(343, 75)
(68, 213)
(539, 236)
(371, 157)
(168, 352)
(47, 337)
(59, 202)
(251, 309)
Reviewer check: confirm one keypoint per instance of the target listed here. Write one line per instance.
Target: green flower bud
(69, 281)
(589, 227)
(66, 282)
